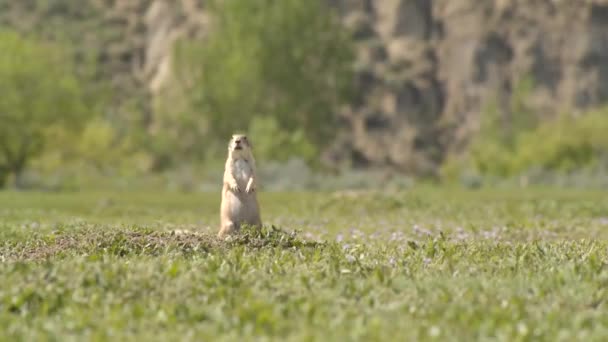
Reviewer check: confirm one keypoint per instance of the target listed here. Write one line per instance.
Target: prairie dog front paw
(234, 186)
(250, 186)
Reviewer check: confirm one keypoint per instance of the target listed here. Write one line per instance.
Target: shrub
(521, 145)
(280, 66)
(39, 92)
(564, 145)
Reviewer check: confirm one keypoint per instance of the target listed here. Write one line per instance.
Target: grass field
(423, 265)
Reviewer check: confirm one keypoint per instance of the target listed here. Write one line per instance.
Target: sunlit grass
(426, 264)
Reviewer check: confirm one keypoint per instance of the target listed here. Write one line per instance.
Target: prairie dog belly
(243, 206)
(242, 172)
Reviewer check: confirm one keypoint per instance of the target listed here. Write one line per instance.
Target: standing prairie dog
(239, 201)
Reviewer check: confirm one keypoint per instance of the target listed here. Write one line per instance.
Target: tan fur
(239, 200)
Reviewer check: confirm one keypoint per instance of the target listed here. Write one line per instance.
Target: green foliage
(274, 65)
(502, 126)
(467, 266)
(273, 143)
(496, 142)
(95, 157)
(566, 144)
(101, 45)
(39, 92)
(507, 147)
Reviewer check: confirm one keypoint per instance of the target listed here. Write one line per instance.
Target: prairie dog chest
(242, 170)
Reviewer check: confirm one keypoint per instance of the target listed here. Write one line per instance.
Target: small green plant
(271, 237)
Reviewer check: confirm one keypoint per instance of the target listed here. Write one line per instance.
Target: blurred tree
(39, 92)
(285, 62)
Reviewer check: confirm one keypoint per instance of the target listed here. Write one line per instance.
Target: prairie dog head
(239, 146)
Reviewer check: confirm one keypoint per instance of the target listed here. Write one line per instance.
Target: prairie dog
(239, 201)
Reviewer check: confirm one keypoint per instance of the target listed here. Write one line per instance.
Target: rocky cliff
(425, 68)
(428, 68)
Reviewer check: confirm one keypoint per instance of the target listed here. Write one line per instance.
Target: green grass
(423, 265)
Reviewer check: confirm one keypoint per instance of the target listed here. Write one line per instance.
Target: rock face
(131, 39)
(425, 68)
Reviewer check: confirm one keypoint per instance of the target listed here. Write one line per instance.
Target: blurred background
(144, 94)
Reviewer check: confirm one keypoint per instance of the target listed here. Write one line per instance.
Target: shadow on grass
(94, 241)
